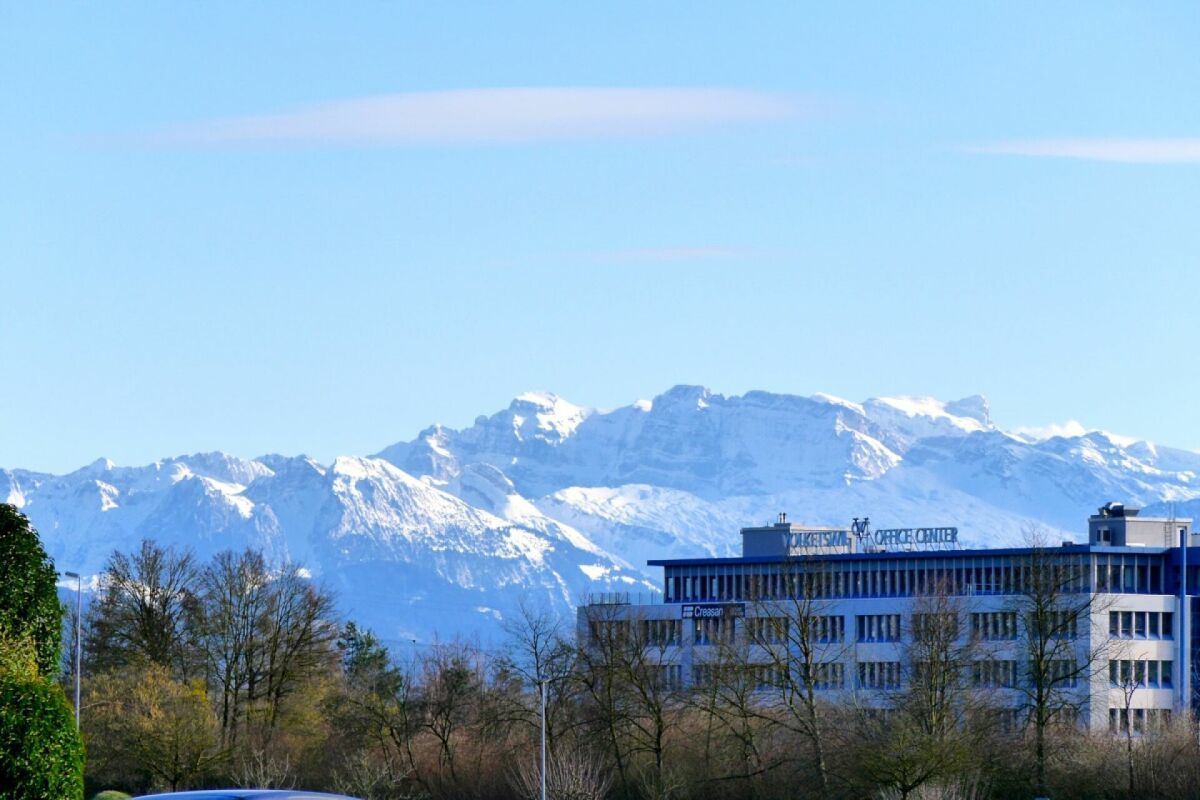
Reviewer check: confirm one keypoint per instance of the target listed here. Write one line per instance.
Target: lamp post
(78, 637)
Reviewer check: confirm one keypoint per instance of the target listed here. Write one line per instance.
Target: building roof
(909, 554)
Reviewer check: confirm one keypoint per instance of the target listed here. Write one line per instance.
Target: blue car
(245, 794)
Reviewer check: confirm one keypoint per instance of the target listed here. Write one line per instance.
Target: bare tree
(360, 775)
(631, 679)
(801, 644)
(1128, 674)
(539, 650)
(264, 770)
(1055, 603)
(730, 701)
(145, 611)
(931, 728)
(299, 631)
(453, 688)
(573, 776)
(382, 710)
(264, 633)
(235, 590)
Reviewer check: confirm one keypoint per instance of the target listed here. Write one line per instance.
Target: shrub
(28, 597)
(41, 753)
(110, 794)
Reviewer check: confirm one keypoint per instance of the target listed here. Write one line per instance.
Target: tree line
(238, 671)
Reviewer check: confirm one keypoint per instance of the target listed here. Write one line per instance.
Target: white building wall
(1096, 695)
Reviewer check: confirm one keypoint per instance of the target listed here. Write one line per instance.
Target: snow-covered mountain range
(546, 501)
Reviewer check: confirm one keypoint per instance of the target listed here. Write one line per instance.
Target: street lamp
(78, 639)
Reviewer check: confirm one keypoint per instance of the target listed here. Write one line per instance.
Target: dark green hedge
(28, 600)
(41, 754)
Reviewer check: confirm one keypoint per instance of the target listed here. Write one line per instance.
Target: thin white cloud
(669, 254)
(493, 116)
(1126, 151)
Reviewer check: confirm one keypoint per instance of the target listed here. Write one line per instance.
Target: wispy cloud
(1127, 151)
(670, 254)
(494, 116)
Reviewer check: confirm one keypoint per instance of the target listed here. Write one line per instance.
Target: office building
(1121, 617)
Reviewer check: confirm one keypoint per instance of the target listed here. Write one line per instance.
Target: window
(879, 675)
(1063, 672)
(935, 627)
(1142, 719)
(829, 675)
(609, 630)
(1141, 624)
(668, 676)
(767, 630)
(996, 674)
(994, 625)
(1135, 673)
(662, 632)
(712, 631)
(1058, 624)
(829, 628)
(878, 627)
(764, 676)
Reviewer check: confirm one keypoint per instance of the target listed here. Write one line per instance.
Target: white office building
(1133, 586)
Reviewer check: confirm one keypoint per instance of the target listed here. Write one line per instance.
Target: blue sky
(314, 228)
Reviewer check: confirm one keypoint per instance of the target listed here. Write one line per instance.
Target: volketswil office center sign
(861, 537)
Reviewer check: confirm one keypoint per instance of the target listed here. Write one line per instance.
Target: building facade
(1107, 625)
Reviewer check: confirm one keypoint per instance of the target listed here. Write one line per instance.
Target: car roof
(247, 794)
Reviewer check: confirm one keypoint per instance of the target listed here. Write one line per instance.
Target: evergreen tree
(28, 598)
(41, 753)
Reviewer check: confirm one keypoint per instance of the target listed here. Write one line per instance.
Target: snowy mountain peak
(974, 407)
(834, 400)
(683, 397)
(97, 467)
(968, 414)
(545, 416)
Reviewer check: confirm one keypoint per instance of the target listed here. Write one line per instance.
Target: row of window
(717, 630)
(873, 675)
(925, 627)
(879, 674)
(1129, 573)
(994, 625)
(826, 675)
(821, 628)
(830, 628)
(1141, 624)
(662, 632)
(1136, 673)
(1144, 719)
